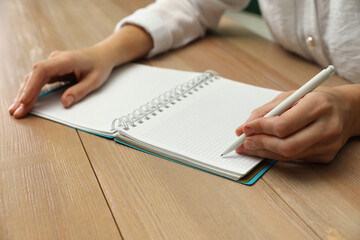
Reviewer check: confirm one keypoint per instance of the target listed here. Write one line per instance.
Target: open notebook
(182, 116)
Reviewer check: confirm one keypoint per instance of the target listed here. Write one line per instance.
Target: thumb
(77, 92)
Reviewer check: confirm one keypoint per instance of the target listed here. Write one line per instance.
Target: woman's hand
(89, 66)
(314, 129)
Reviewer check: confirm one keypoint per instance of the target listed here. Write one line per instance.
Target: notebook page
(203, 125)
(127, 88)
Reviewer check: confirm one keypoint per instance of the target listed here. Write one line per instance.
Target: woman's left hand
(314, 129)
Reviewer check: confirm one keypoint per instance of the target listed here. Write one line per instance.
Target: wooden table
(60, 183)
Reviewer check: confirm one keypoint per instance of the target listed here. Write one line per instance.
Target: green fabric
(253, 7)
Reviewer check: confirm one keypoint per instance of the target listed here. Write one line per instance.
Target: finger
(291, 121)
(77, 92)
(24, 109)
(23, 87)
(239, 130)
(263, 110)
(13, 107)
(263, 153)
(324, 151)
(257, 113)
(42, 72)
(16, 102)
(318, 158)
(292, 146)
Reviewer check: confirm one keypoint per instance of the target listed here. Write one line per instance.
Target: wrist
(351, 93)
(105, 54)
(127, 44)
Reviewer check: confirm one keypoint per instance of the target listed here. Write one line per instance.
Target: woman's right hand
(90, 67)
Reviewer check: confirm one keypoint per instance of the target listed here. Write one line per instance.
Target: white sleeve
(174, 23)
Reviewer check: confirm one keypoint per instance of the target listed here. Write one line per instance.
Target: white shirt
(324, 31)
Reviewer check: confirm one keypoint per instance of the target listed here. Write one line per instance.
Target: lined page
(127, 88)
(202, 125)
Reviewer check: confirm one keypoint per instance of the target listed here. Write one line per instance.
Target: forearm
(127, 44)
(146, 30)
(174, 24)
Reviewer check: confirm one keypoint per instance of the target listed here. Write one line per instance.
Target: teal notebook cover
(250, 178)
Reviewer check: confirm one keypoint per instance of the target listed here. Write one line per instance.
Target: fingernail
(12, 108)
(69, 100)
(248, 131)
(241, 150)
(250, 145)
(19, 111)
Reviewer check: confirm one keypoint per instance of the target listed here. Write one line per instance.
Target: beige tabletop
(60, 183)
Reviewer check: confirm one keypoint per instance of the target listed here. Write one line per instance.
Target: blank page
(202, 125)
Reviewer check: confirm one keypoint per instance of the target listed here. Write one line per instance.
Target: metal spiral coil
(163, 101)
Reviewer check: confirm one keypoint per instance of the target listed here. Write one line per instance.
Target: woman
(324, 31)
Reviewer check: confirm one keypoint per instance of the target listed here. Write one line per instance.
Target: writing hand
(314, 129)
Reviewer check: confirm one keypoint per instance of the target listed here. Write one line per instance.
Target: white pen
(289, 101)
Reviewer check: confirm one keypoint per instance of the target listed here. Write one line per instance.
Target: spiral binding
(163, 101)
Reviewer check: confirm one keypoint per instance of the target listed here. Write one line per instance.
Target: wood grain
(153, 198)
(48, 189)
(57, 183)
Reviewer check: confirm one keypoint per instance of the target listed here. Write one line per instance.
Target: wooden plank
(325, 196)
(48, 189)
(153, 198)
